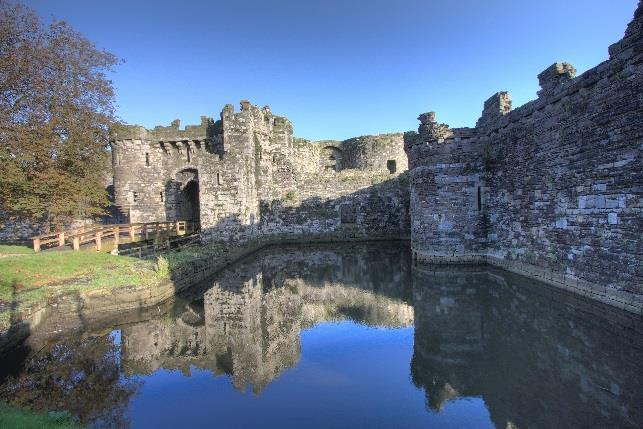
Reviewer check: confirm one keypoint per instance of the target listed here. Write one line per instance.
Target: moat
(351, 335)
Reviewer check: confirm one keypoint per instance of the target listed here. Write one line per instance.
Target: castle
(245, 176)
(552, 189)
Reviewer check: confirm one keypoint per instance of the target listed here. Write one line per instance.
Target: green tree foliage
(56, 105)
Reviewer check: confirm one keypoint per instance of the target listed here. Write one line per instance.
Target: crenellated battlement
(207, 128)
(553, 77)
(252, 116)
(495, 108)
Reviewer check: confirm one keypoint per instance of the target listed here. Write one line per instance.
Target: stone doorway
(189, 205)
(182, 200)
(332, 158)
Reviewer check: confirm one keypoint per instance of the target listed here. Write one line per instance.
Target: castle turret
(447, 188)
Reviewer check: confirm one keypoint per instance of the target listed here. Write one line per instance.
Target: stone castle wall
(551, 189)
(245, 176)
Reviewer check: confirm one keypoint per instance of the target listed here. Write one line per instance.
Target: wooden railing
(97, 233)
(151, 250)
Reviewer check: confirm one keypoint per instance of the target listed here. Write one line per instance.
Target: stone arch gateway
(182, 201)
(332, 158)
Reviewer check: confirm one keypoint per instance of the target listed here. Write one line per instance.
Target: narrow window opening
(162, 196)
(391, 165)
(479, 198)
(135, 197)
(147, 159)
(218, 178)
(189, 150)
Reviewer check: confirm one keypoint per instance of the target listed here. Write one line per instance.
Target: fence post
(61, 239)
(145, 231)
(99, 240)
(117, 235)
(76, 243)
(131, 232)
(36, 244)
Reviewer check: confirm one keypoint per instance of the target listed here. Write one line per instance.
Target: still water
(345, 336)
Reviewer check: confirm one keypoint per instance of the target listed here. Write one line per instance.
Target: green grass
(15, 418)
(33, 278)
(16, 249)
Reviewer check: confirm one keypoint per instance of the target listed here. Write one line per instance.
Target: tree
(80, 374)
(56, 107)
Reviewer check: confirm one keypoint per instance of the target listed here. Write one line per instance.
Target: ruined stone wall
(551, 189)
(346, 204)
(255, 179)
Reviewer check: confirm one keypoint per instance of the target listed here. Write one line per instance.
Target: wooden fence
(97, 233)
(171, 244)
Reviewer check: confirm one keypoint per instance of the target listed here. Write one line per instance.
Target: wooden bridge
(97, 233)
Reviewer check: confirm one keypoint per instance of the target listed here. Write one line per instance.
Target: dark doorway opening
(332, 158)
(181, 197)
(391, 165)
(189, 205)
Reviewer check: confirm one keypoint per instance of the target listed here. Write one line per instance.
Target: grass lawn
(15, 418)
(15, 249)
(33, 277)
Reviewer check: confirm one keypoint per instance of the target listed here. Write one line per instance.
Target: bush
(162, 266)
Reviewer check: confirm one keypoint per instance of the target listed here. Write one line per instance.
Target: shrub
(162, 266)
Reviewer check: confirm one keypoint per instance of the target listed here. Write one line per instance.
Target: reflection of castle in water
(248, 323)
(539, 357)
(536, 356)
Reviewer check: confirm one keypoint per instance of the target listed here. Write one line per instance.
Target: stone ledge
(623, 300)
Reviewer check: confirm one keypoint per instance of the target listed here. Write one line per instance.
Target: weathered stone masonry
(551, 189)
(245, 176)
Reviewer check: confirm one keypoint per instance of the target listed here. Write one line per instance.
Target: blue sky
(338, 68)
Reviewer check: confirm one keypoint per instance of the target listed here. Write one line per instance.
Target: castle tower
(213, 174)
(447, 188)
